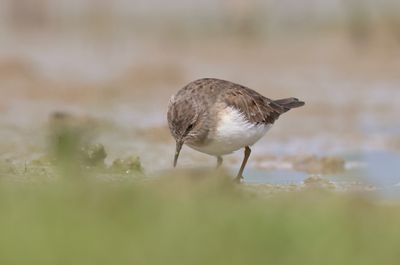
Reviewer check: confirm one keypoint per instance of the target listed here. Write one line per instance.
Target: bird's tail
(289, 103)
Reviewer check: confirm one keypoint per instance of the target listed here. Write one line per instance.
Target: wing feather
(254, 106)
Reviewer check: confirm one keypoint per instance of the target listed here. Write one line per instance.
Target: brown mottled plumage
(210, 113)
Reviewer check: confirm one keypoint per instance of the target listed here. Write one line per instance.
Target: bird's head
(182, 122)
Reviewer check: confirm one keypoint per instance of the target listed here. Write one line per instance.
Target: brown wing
(253, 105)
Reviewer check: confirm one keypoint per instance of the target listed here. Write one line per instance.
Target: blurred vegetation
(182, 220)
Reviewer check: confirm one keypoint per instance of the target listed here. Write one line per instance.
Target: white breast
(233, 132)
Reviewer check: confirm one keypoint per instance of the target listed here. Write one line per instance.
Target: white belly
(233, 133)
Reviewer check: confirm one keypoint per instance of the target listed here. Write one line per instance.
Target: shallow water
(375, 171)
(383, 170)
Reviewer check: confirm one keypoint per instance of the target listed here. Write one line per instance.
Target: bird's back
(257, 109)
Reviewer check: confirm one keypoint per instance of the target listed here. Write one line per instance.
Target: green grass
(183, 220)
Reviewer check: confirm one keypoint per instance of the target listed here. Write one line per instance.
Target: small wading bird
(218, 117)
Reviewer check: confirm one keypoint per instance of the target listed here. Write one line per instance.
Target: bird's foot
(239, 179)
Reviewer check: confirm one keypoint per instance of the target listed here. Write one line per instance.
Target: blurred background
(112, 65)
(86, 155)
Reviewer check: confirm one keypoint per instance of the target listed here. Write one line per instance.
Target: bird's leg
(247, 152)
(219, 161)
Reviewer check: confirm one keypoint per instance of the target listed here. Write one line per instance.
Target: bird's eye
(189, 128)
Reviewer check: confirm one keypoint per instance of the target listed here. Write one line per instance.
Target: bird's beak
(178, 150)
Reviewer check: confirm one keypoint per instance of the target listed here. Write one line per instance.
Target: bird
(218, 117)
